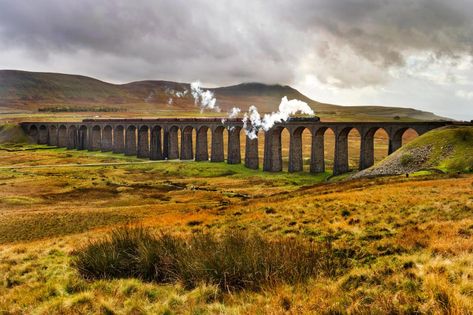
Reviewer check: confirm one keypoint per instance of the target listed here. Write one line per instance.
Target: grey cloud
(224, 42)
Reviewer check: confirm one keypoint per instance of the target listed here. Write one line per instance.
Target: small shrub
(270, 210)
(194, 223)
(235, 261)
(406, 159)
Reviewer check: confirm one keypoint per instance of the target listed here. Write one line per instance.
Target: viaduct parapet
(159, 139)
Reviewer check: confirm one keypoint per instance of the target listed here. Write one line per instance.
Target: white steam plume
(252, 121)
(234, 112)
(205, 99)
(176, 94)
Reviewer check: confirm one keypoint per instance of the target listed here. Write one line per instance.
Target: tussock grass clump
(234, 261)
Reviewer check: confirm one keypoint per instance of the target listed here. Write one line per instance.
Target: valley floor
(410, 240)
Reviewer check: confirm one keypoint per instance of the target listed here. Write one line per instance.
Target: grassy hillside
(449, 149)
(22, 91)
(12, 133)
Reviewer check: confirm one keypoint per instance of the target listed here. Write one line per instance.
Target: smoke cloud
(203, 98)
(252, 121)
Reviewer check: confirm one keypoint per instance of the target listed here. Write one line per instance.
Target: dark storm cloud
(347, 43)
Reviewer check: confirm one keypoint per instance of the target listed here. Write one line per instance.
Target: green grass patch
(452, 148)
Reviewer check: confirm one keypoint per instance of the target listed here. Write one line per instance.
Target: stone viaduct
(158, 139)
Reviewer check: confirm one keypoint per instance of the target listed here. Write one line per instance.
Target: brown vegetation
(409, 239)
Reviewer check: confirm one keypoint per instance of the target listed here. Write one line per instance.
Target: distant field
(409, 241)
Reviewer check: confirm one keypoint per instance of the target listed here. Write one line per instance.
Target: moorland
(90, 232)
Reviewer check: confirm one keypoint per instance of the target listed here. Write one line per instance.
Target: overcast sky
(410, 53)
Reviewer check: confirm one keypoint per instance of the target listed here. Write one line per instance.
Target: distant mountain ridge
(30, 91)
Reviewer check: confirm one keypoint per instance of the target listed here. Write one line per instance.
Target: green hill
(449, 149)
(22, 91)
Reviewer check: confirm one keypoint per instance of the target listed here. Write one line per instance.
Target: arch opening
(95, 139)
(341, 163)
(273, 154)
(400, 137)
(155, 146)
(323, 148)
(52, 139)
(297, 150)
(186, 143)
(171, 143)
(201, 144)
(143, 142)
(43, 135)
(107, 139)
(354, 149)
(217, 153)
(33, 133)
(82, 138)
(118, 145)
(130, 140)
(72, 137)
(234, 145)
(62, 136)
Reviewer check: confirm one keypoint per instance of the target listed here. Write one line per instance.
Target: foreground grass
(413, 236)
(234, 261)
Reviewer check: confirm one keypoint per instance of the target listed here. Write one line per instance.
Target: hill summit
(32, 91)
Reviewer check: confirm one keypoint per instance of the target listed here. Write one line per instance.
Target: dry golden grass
(411, 239)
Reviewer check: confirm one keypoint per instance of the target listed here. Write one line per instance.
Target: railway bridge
(159, 139)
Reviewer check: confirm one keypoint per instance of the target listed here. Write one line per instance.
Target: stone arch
(130, 140)
(143, 142)
(273, 149)
(33, 133)
(82, 138)
(72, 137)
(155, 146)
(354, 148)
(171, 143)
(296, 160)
(186, 143)
(397, 136)
(62, 136)
(217, 149)
(201, 144)
(95, 138)
(234, 148)
(320, 148)
(43, 134)
(118, 139)
(52, 139)
(341, 156)
(252, 150)
(369, 147)
(107, 139)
